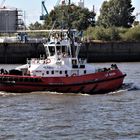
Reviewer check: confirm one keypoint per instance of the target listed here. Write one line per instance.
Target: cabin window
(47, 72)
(82, 66)
(52, 72)
(52, 50)
(58, 48)
(66, 72)
(64, 49)
(60, 72)
(74, 62)
(85, 71)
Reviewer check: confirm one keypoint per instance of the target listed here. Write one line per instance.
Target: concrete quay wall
(17, 53)
(111, 51)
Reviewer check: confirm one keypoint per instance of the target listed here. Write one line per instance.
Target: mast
(70, 33)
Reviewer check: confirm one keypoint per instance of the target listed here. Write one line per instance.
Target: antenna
(2, 3)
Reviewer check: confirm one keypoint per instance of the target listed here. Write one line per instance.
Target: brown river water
(58, 116)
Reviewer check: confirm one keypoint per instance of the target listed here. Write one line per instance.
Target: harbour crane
(44, 11)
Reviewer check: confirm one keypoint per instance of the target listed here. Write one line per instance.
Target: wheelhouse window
(74, 62)
(66, 50)
(59, 50)
(52, 50)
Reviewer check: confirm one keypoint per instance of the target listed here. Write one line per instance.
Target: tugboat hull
(100, 82)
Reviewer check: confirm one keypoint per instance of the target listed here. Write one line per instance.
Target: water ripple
(51, 116)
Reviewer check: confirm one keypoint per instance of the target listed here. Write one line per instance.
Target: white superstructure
(60, 61)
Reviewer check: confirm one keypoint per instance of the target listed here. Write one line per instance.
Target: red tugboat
(61, 71)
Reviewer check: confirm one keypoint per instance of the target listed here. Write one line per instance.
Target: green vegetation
(101, 33)
(79, 18)
(73, 16)
(113, 34)
(116, 13)
(132, 34)
(115, 22)
(35, 26)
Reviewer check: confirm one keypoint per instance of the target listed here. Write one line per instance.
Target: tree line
(115, 22)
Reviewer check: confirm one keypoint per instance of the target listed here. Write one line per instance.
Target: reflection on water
(43, 115)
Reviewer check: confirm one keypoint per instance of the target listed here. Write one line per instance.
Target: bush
(100, 33)
(88, 34)
(132, 34)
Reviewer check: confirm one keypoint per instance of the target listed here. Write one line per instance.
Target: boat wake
(5, 94)
(127, 87)
(131, 86)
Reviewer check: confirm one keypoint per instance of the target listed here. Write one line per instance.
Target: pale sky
(32, 8)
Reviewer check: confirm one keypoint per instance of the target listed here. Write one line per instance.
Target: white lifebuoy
(48, 61)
